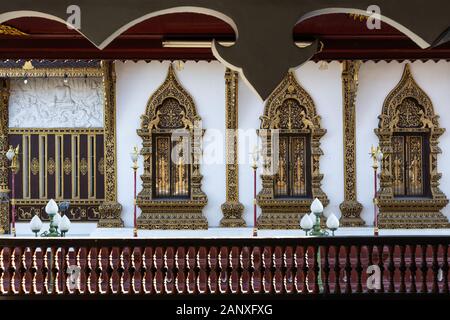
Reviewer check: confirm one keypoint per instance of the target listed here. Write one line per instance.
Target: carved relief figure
(307, 124)
(426, 123)
(155, 121)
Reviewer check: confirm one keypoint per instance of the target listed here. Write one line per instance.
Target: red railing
(408, 265)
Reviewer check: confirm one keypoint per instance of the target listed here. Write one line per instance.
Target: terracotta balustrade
(304, 267)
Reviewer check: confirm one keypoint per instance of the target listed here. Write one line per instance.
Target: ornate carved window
(409, 195)
(290, 132)
(63, 118)
(171, 197)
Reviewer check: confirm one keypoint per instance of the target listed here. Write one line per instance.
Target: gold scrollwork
(351, 209)
(34, 166)
(51, 166)
(67, 166)
(291, 110)
(171, 108)
(408, 112)
(83, 166)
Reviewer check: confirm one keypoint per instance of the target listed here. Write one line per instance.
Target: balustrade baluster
(289, 275)
(93, 279)
(202, 277)
(380, 250)
(337, 270)
(60, 267)
(180, 259)
(391, 269)
(267, 264)
(445, 269)
(148, 276)
(16, 260)
(223, 264)
(125, 263)
(326, 270)
(316, 268)
(114, 260)
(256, 280)
(71, 260)
(105, 274)
(50, 274)
(169, 264)
(413, 269)
(192, 275)
(213, 278)
(435, 269)
(234, 264)
(369, 263)
(348, 270)
(298, 260)
(245, 261)
(402, 268)
(278, 275)
(359, 269)
(83, 264)
(27, 261)
(424, 269)
(158, 261)
(38, 264)
(137, 264)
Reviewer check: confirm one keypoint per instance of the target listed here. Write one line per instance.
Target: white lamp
(332, 223)
(56, 220)
(64, 225)
(306, 223)
(36, 225)
(317, 207)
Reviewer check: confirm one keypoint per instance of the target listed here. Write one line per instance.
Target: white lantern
(56, 220)
(35, 225)
(64, 225)
(51, 208)
(306, 223)
(134, 154)
(332, 223)
(316, 207)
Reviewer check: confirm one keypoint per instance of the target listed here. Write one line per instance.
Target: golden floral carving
(175, 109)
(350, 208)
(290, 109)
(10, 31)
(34, 166)
(83, 166)
(51, 166)
(67, 166)
(408, 109)
(232, 209)
(101, 166)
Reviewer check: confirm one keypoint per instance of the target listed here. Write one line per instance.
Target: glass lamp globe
(134, 154)
(36, 225)
(316, 207)
(306, 223)
(64, 224)
(56, 220)
(332, 223)
(51, 208)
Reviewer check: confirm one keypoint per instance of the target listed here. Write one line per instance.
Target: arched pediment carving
(171, 123)
(170, 107)
(290, 113)
(407, 107)
(409, 195)
(290, 107)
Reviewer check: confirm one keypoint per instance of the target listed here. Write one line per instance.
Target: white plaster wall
(376, 82)
(136, 82)
(324, 88)
(205, 82)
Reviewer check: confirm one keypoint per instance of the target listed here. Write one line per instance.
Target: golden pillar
(350, 208)
(4, 170)
(232, 209)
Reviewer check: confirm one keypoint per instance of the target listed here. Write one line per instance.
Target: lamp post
(377, 157)
(13, 157)
(134, 158)
(255, 157)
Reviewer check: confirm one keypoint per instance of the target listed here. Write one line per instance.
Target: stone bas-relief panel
(55, 103)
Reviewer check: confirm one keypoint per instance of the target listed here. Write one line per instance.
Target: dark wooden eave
(344, 37)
